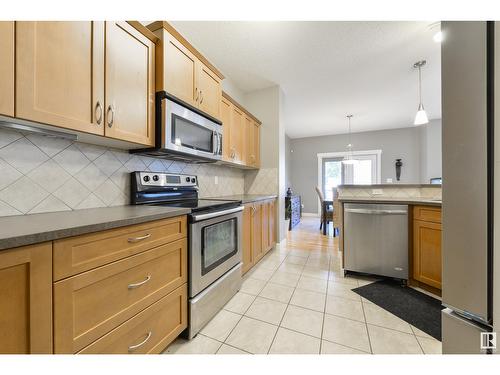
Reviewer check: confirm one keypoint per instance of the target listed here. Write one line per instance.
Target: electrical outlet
(216, 180)
(377, 192)
(389, 180)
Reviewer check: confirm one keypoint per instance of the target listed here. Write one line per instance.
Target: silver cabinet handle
(137, 285)
(131, 348)
(137, 239)
(197, 94)
(112, 117)
(98, 106)
(201, 96)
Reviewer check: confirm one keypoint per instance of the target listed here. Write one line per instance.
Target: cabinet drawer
(427, 213)
(78, 254)
(91, 304)
(150, 331)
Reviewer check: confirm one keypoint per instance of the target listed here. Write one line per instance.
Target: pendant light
(421, 117)
(349, 157)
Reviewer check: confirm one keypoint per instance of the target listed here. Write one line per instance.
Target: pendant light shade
(421, 116)
(349, 160)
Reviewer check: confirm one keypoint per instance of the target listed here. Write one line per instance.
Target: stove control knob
(155, 177)
(193, 180)
(146, 178)
(187, 179)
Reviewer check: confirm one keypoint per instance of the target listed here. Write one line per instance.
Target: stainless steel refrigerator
(467, 69)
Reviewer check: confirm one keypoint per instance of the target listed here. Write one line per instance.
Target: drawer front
(427, 213)
(79, 254)
(91, 304)
(150, 331)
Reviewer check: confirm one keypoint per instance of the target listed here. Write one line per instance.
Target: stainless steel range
(214, 240)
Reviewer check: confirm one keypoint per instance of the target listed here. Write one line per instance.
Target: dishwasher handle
(375, 212)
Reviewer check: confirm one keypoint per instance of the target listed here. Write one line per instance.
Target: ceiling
(329, 69)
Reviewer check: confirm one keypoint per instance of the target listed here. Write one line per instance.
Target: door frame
(343, 154)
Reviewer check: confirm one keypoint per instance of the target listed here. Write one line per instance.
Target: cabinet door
(26, 300)
(237, 135)
(210, 91)
(249, 142)
(256, 231)
(256, 143)
(272, 223)
(265, 226)
(129, 84)
(247, 239)
(427, 252)
(7, 68)
(226, 109)
(179, 70)
(60, 74)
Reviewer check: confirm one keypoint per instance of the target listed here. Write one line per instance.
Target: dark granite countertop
(415, 201)
(30, 229)
(245, 198)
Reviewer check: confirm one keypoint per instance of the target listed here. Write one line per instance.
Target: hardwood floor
(308, 236)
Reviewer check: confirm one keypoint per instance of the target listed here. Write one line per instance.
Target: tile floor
(297, 301)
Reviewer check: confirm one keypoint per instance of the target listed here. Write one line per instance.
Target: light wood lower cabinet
(426, 258)
(259, 228)
(26, 300)
(7, 68)
(91, 304)
(148, 332)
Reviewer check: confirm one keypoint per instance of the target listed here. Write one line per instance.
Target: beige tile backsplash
(43, 174)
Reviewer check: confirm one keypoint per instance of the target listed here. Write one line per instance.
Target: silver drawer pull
(137, 239)
(137, 285)
(133, 347)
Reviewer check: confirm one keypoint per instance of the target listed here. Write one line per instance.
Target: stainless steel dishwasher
(376, 239)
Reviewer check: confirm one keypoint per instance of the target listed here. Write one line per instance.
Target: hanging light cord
(420, 84)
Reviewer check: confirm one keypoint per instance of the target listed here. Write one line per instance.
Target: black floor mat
(414, 307)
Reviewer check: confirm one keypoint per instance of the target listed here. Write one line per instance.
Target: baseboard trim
(312, 214)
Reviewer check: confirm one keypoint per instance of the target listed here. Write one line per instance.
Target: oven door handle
(216, 214)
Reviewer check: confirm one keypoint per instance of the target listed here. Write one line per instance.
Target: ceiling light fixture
(421, 117)
(438, 37)
(349, 157)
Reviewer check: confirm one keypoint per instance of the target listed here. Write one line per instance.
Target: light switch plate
(377, 192)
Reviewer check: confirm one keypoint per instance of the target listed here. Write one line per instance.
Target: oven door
(188, 132)
(215, 247)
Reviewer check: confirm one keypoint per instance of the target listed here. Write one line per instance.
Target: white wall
(233, 91)
(430, 151)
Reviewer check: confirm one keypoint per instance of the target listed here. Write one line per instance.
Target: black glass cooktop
(198, 205)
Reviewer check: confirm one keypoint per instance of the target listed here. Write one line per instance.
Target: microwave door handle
(215, 141)
(220, 143)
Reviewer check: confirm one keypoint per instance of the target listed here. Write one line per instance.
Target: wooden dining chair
(326, 210)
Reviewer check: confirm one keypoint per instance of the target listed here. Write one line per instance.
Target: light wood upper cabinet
(26, 300)
(7, 68)
(226, 109)
(130, 90)
(252, 150)
(237, 136)
(176, 70)
(60, 74)
(210, 91)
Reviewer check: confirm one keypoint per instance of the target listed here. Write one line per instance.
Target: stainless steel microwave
(183, 132)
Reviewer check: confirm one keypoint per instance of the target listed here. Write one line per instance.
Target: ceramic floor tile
(303, 320)
(345, 308)
(339, 278)
(199, 345)
(267, 310)
(295, 260)
(312, 284)
(252, 336)
(346, 332)
(281, 293)
(316, 273)
(380, 317)
(309, 300)
(285, 278)
(290, 342)
(221, 325)
(239, 303)
(328, 347)
(430, 345)
(226, 349)
(420, 333)
(291, 268)
(261, 274)
(252, 286)
(300, 253)
(342, 290)
(388, 341)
